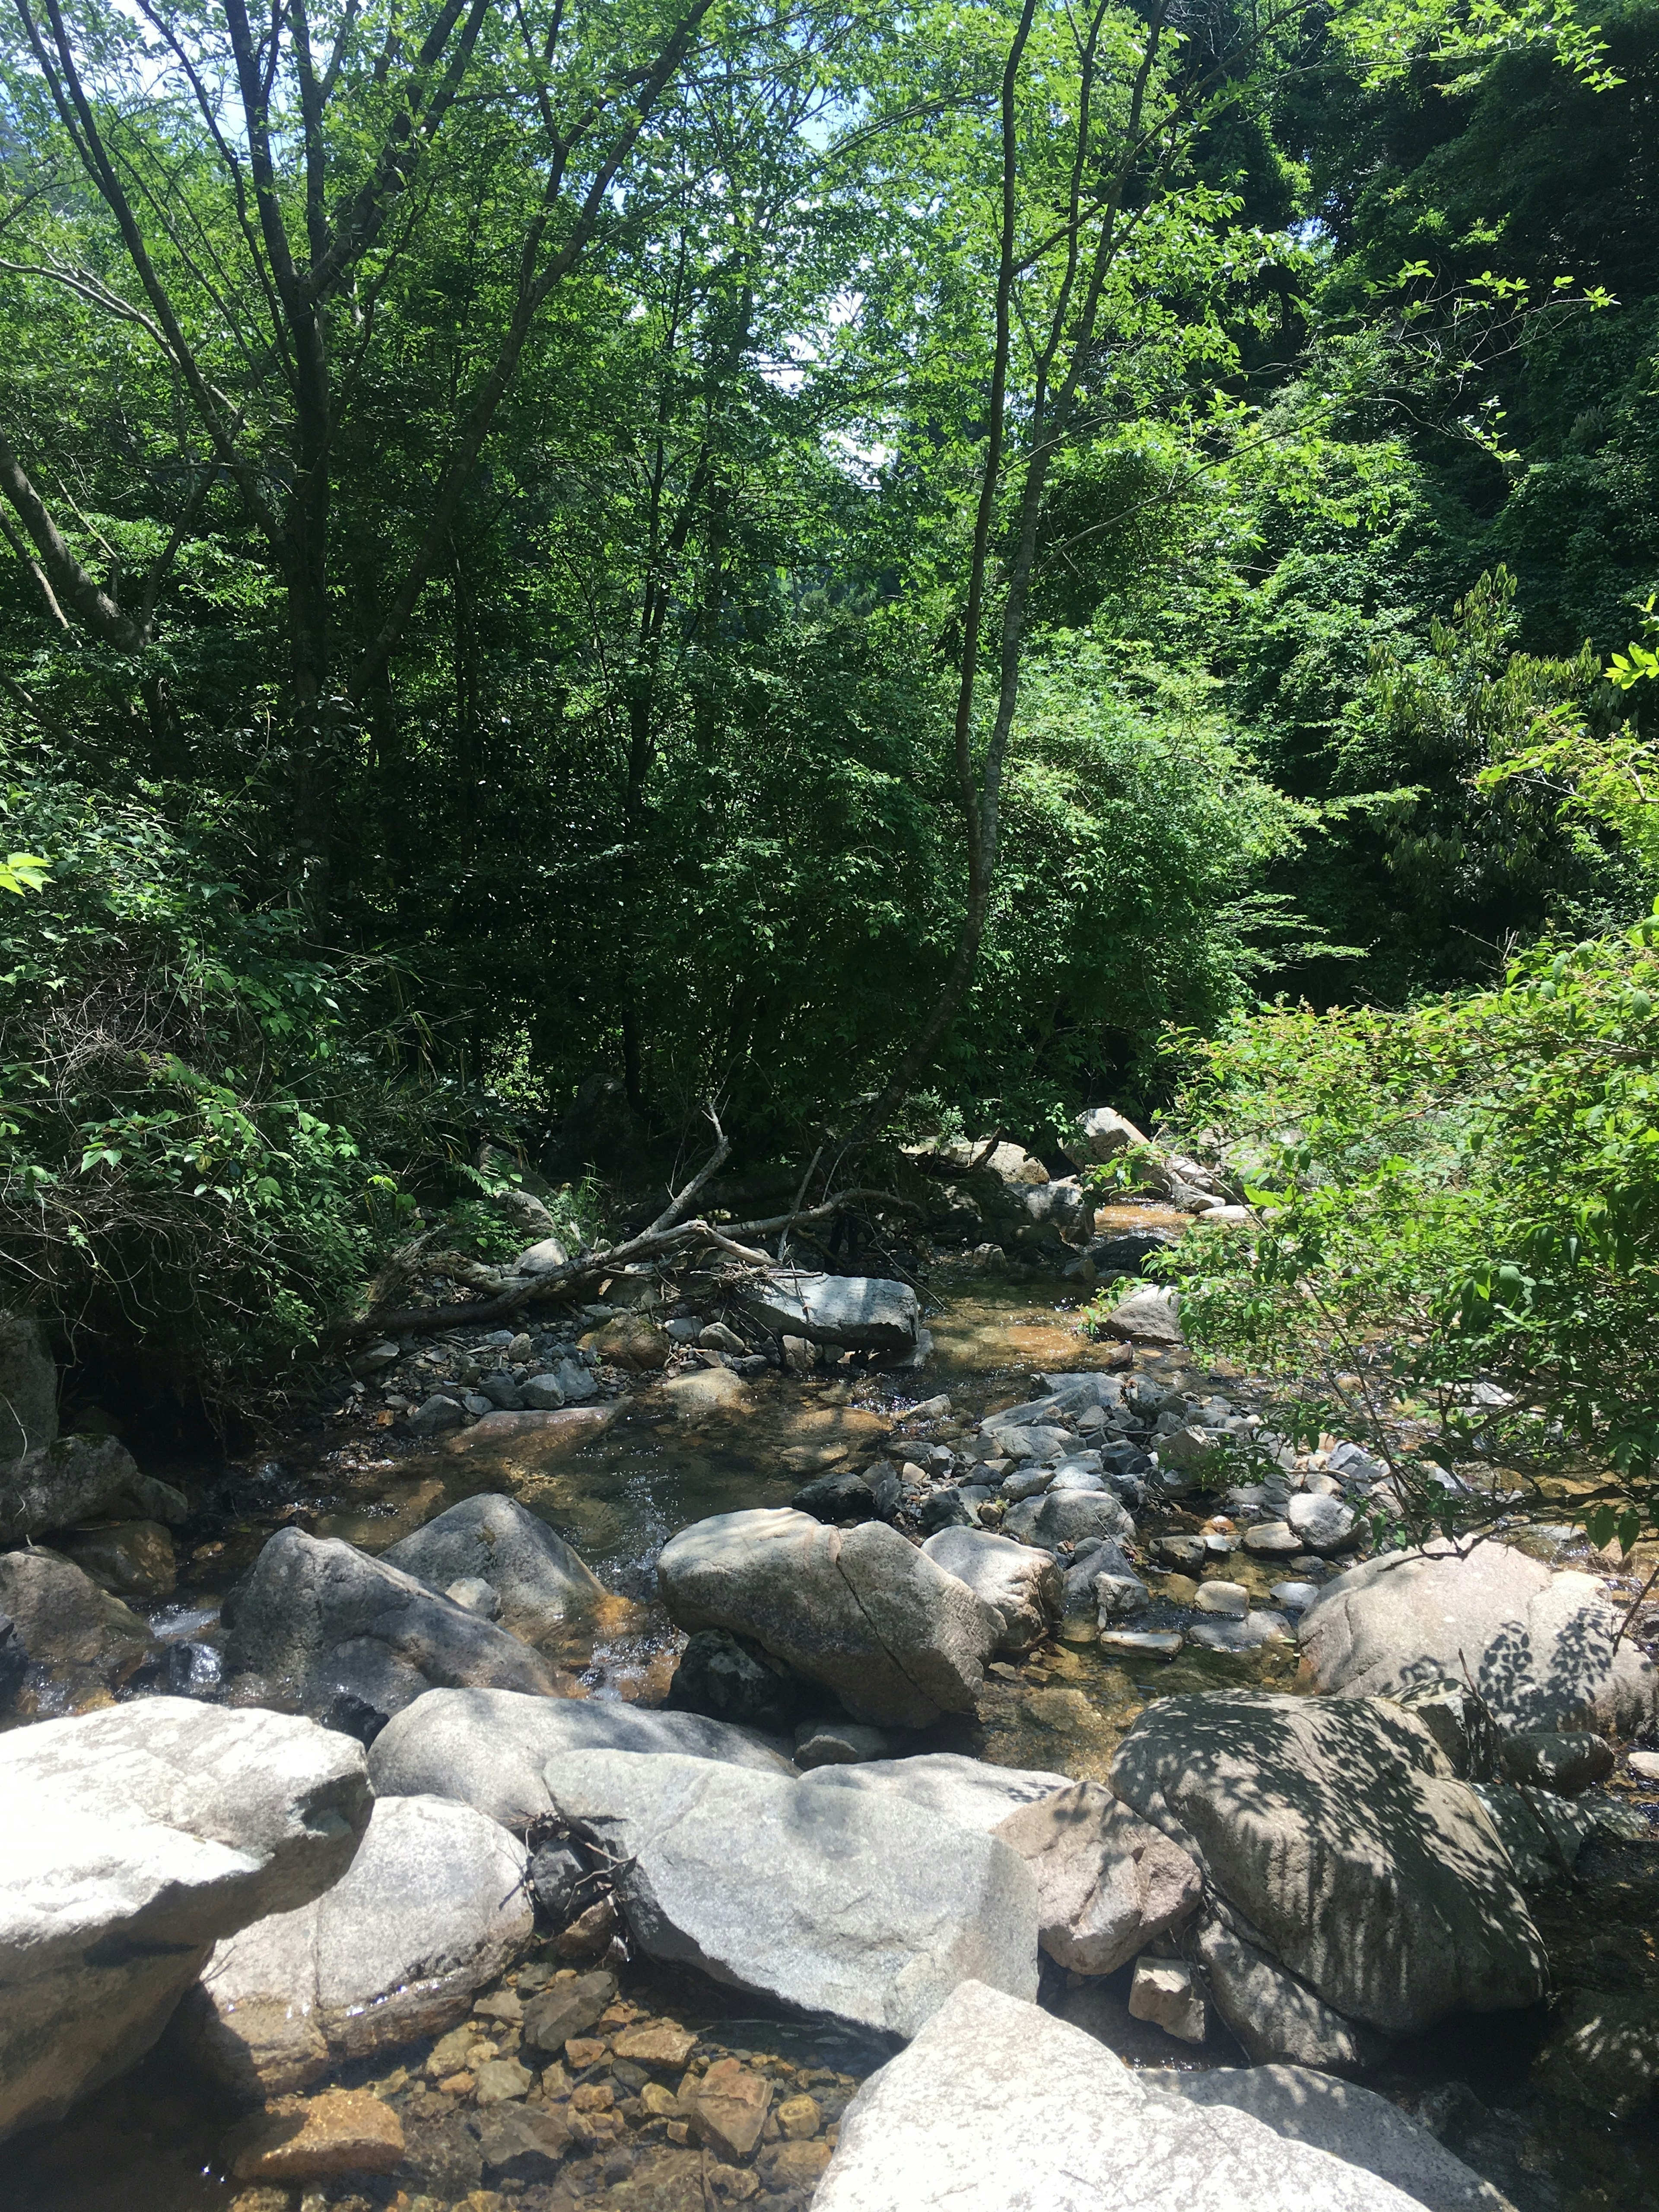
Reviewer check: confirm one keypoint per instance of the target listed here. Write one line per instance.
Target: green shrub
(1463, 1193)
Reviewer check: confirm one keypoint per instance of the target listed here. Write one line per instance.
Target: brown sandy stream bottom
(1506, 2093)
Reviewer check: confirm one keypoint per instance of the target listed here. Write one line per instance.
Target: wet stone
(731, 2108)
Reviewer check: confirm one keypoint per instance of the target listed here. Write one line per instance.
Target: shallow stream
(154, 2142)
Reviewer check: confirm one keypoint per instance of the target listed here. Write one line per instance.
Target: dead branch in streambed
(667, 1233)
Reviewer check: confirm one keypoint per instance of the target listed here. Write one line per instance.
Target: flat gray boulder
(1339, 1843)
(315, 1617)
(967, 1792)
(833, 1901)
(1068, 1517)
(1147, 1316)
(1539, 1644)
(71, 1479)
(897, 1639)
(1107, 1883)
(539, 1579)
(133, 1840)
(856, 1313)
(1024, 1587)
(997, 2107)
(488, 1749)
(433, 1907)
(1351, 2123)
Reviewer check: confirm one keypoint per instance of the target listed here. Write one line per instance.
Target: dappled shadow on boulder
(1338, 1844)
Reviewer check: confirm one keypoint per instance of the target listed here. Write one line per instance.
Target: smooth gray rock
(1067, 1516)
(1148, 1315)
(1035, 1444)
(1335, 1831)
(73, 1479)
(1274, 2016)
(1543, 1833)
(1107, 1883)
(897, 1639)
(1100, 1134)
(836, 1901)
(1023, 1586)
(63, 1616)
(858, 1313)
(838, 1743)
(1566, 1763)
(488, 1749)
(28, 1390)
(539, 1580)
(968, 1793)
(997, 2107)
(432, 1908)
(1325, 1525)
(315, 1617)
(1351, 2123)
(1540, 1645)
(132, 1840)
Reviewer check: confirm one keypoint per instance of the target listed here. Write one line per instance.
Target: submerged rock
(431, 1909)
(997, 2107)
(897, 1639)
(316, 1617)
(133, 1840)
(838, 1901)
(534, 1573)
(490, 1749)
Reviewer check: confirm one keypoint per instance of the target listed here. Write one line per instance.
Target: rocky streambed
(729, 1735)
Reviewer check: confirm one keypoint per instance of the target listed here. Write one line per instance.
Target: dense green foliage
(527, 534)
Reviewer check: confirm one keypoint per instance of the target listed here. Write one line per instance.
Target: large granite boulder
(133, 1841)
(488, 1749)
(1100, 1134)
(318, 1619)
(827, 1900)
(897, 1639)
(1351, 2123)
(967, 1792)
(1107, 1883)
(1336, 1840)
(534, 1573)
(433, 1907)
(72, 1479)
(1539, 1644)
(856, 1313)
(1023, 1586)
(997, 2107)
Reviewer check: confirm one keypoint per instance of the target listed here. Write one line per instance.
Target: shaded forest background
(400, 764)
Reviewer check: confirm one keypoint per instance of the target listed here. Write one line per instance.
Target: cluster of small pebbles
(557, 2092)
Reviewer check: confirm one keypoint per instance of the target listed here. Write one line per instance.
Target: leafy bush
(1456, 1218)
(195, 1130)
